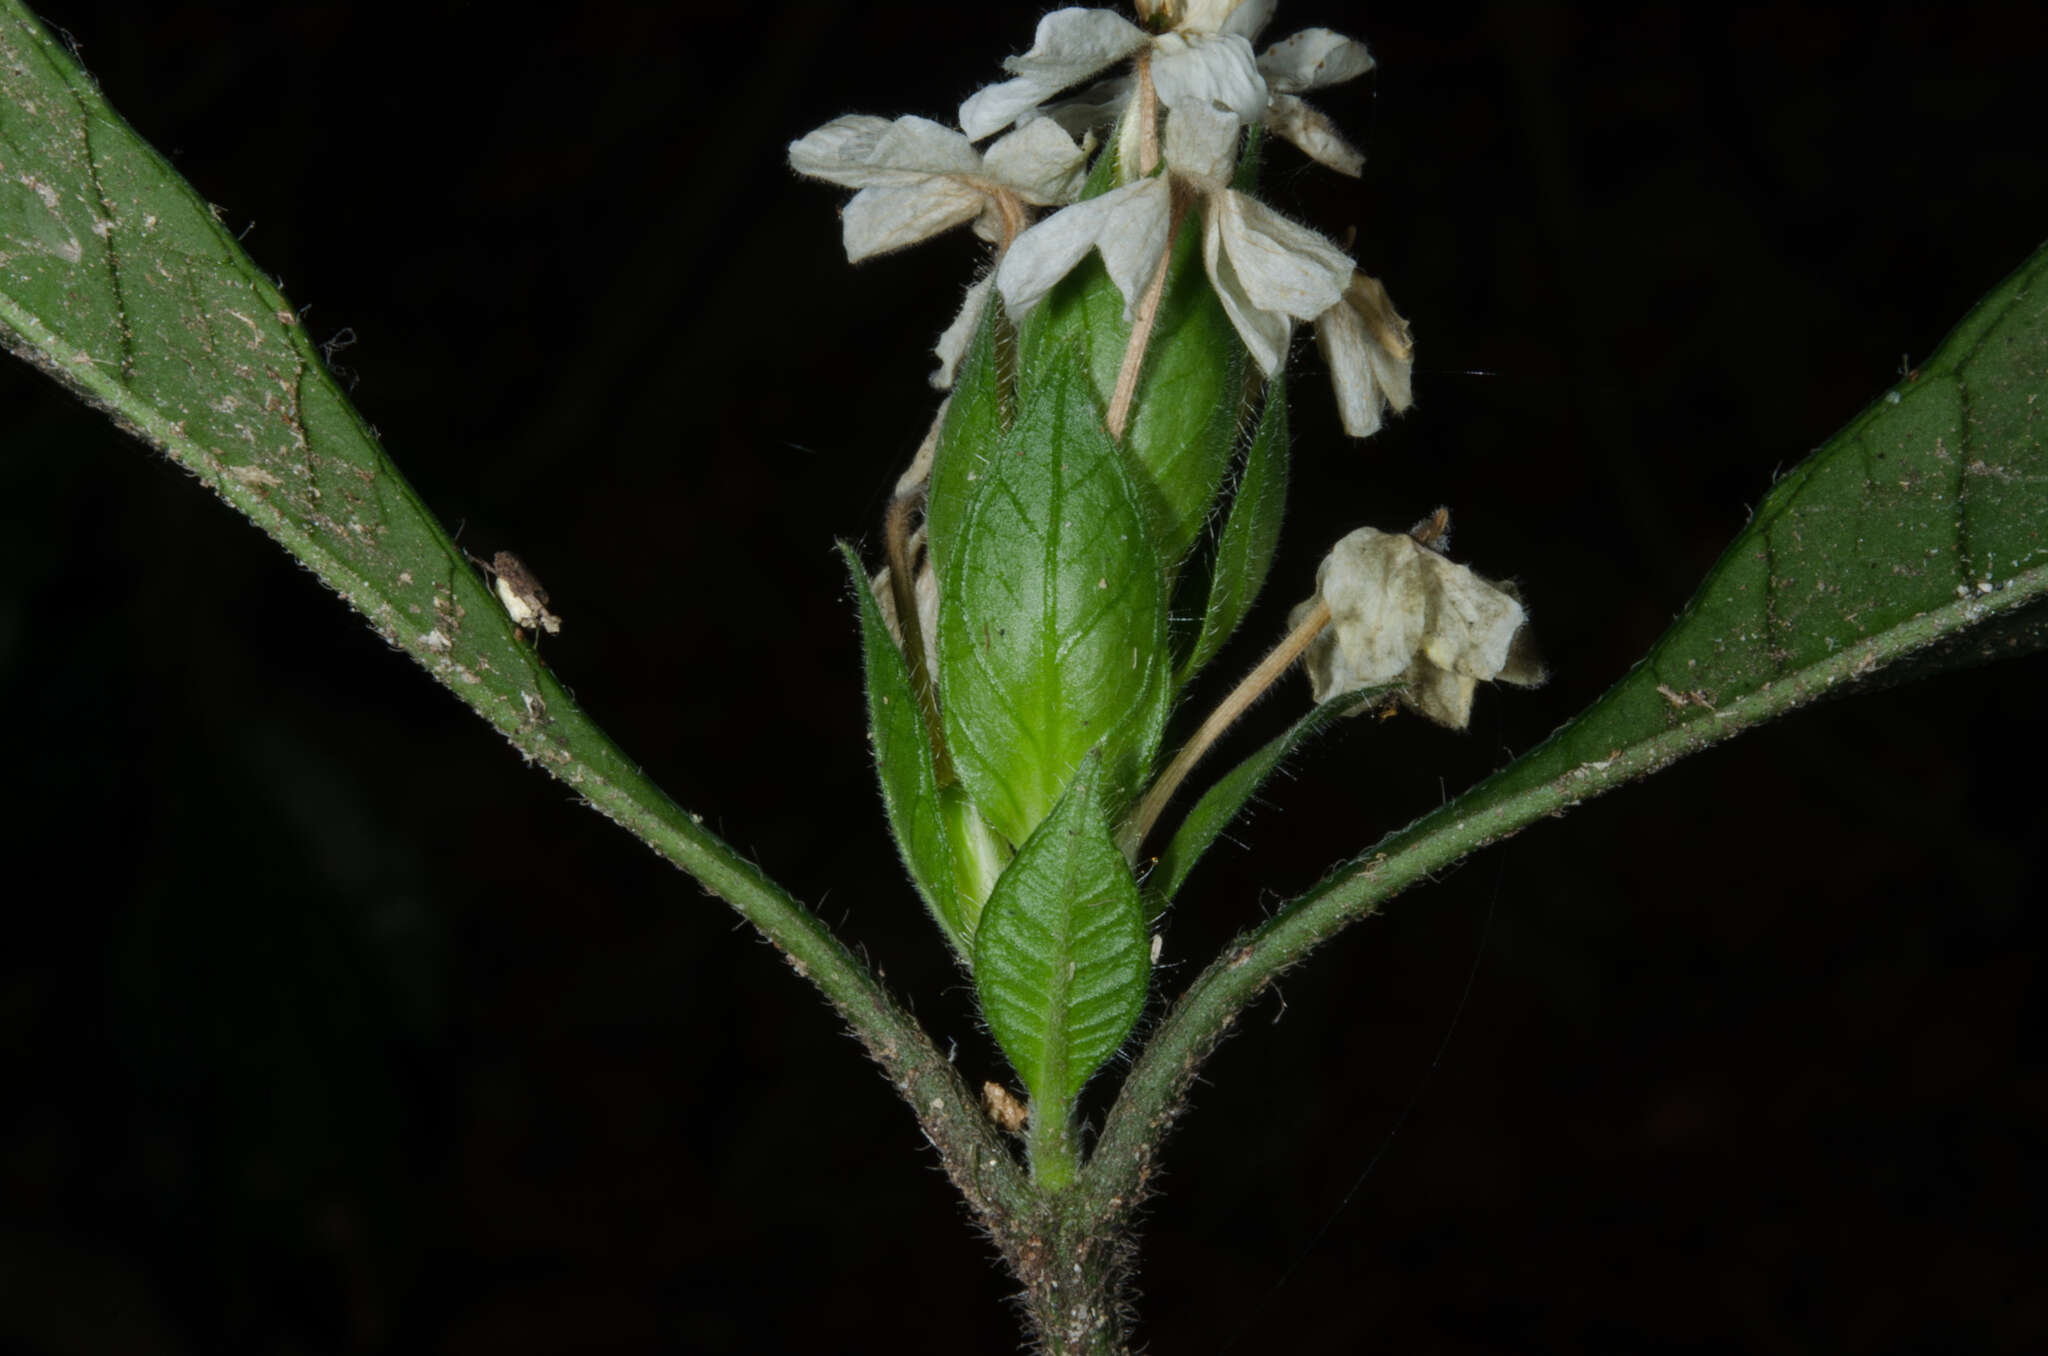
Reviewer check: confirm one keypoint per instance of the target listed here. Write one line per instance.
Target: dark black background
(327, 1026)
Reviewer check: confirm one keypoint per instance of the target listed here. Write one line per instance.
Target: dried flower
(1268, 272)
(1205, 57)
(1399, 611)
(1370, 355)
(918, 179)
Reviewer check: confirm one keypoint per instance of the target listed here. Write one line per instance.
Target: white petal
(1070, 46)
(882, 219)
(1130, 147)
(1379, 605)
(1474, 623)
(1441, 695)
(1248, 18)
(916, 148)
(1341, 337)
(1129, 223)
(1216, 69)
(992, 108)
(1242, 17)
(1313, 59)
(1040, 161)
(1265, 334)
(841, 148)
(1201, 142)
(1283, 267)
(919, 472)
(1400, 610)
(1133, 239)
(864, 152)
(1047, 252)
(1370, 354)
(1311, 130)
(952, 345)
(1096, 107)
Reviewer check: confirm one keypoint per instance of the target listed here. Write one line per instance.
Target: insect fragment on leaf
(521, 593)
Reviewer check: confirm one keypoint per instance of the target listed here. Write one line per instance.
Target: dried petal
(1399, 611)
(878, 220)
(1069, 46)
(1128, 225)
(1201, 143)
(952, 345)
(1213, 70)
(1039, 161)
(839, 152)
(1314, 58)
(1268, 272)
(1366, 344)
(1292, 120)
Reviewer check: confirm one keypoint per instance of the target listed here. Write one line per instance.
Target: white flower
(1400, 612)
(1370, 355)
(1314, 58)
(1206, 57)
(918, 179)
(1267, 271)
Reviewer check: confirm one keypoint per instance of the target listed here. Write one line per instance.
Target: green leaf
(1062, 958)
(122, 285)
(1916, 537)
(1184, 421)
(903, 762)
(1052, 615)
(1915, 540)
(978, 412)
(1919, 521)
(1251, 533)
(119, 283)
(1223, 802)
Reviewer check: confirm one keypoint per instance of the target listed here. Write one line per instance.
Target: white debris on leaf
(1314, 58)
(1400, 612)
(1370, 354)
(917, 179)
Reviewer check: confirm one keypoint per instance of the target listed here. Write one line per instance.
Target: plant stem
(1248, 691)
(1076, 1274)
(1052, 1148)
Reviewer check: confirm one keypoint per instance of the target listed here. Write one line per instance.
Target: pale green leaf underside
(903, 762)
(1061, 957)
